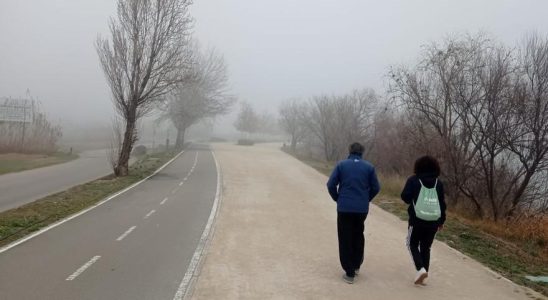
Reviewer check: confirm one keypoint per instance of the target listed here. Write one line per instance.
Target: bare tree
(144, 60)
(204, 95)
(394, 148)
(292, 120)
(337, 121)
(488, 112)
(267, 124)
(356, 113)
(247, 120)
(528, 138)
(429, 96)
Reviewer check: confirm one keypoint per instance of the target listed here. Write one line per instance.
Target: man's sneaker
(348, 279)
(421, 276)
(356, 272)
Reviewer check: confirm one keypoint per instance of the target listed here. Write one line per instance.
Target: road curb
(188, 283)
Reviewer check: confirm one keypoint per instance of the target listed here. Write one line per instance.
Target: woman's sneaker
(421, 276)
(348, 279)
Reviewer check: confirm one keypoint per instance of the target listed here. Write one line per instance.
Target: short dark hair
(427, 164)
(356, 148)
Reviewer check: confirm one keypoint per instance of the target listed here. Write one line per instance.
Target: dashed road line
(150, 213)
(126, 233)
(83, 268)
(164, 201)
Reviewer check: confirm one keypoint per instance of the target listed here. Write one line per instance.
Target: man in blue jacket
(352, 184)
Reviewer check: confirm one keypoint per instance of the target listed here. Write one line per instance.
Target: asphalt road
(27, 186)
(136, 246)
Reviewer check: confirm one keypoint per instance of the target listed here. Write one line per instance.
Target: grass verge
(513, 258)
(13, 162)
(18, 222)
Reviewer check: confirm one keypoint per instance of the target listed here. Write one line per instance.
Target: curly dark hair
(427, 164)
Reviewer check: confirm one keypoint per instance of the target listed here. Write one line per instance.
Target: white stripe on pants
(408, 242)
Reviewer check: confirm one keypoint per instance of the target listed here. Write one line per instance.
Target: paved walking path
(275, 238)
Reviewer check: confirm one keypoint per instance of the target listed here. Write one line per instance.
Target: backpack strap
(435, 184)
(413, 202)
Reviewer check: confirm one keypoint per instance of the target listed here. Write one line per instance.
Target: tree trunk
(180, 141)
(293, 144)
(516, 199)
(122, 167)
(479, 210)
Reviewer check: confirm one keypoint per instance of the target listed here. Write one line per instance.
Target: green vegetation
(13, 162)
(18, 222)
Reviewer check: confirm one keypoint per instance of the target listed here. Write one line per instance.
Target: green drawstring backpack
(427, 207)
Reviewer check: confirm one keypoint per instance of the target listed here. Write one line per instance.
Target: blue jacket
(353, 184)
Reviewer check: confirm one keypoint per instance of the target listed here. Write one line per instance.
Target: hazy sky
(275, 49)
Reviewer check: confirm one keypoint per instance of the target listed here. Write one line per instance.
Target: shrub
(140, 150)
(246, 142)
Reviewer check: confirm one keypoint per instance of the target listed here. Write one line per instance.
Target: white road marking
(183, 289)
(189, 173)
(163, 201)
(83, 268)
(150, 213)
(50, 227)
(126, 233)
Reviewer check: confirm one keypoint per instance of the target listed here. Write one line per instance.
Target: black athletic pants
(419, 241)
(351, 241)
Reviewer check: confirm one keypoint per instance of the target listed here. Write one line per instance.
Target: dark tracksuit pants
(350, 228)
(419, 242)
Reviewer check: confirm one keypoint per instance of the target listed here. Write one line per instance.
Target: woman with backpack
(424, 193)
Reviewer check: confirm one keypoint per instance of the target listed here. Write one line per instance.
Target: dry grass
(15, 162)
(531, 233)
(391, 185)
(20, 156)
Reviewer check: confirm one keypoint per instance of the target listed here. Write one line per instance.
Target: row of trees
(483, 108)
(479, 106)
(250, 122)
(330, 123)
(151, 62)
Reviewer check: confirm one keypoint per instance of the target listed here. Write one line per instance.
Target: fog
(274, 50)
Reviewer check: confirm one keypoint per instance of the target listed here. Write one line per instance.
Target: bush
(140, 150)
(217, 140)
(246, 142)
